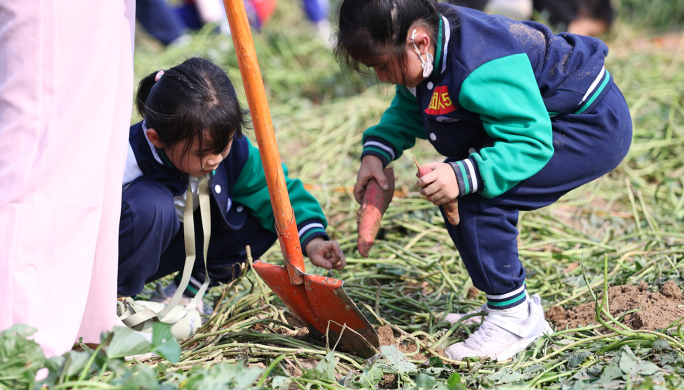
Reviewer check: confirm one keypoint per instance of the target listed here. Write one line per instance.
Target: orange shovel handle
(286, 225)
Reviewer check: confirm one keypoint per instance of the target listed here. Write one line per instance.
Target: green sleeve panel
(398, 129)
(251, 191)
(506, 95)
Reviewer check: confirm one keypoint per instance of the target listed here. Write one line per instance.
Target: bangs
(360, 53)
(364, 35)
(213, 127)
(357, 50)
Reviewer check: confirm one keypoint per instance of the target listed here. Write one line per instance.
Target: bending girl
(522, 116)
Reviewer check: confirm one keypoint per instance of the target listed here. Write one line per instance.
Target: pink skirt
(66, 88)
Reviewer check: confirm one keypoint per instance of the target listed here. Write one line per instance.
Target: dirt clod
(386, 335)
(671, 290)
(556, 313)
(659, 309)
(472, 293)
(407, 347)
(388, 381)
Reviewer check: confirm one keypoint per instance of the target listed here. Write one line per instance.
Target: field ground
(622, 229)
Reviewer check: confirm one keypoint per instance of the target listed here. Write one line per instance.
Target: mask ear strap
(425, 64)
(413, 40)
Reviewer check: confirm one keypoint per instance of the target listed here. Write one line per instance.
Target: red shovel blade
(334, 309)
(323, 306)
(294, 296)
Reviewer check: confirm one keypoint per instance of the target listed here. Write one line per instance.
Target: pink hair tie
(158, 76)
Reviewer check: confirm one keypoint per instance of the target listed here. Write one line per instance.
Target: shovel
(319, 302)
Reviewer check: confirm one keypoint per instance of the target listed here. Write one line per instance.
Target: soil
(293, 368)
(472, 293)
(386, 335)
(389, 381)
(299, 333)
(408, 347)
(659, 309)
(293, 320)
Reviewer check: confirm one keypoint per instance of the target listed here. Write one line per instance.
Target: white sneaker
(475, 320)
(501, 337)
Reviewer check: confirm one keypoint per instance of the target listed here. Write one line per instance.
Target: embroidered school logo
(440, 103)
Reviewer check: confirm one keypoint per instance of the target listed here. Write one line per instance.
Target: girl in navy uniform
(192, 128)
(522, 115)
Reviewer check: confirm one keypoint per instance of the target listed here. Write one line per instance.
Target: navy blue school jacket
(489, 101)
(237, 184)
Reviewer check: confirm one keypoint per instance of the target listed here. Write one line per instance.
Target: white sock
(520, 311)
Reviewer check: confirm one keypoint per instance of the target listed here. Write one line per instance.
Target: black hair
(369, 29)
(195, 99)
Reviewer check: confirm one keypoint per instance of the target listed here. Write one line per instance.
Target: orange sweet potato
(375, 203)
(451, 208)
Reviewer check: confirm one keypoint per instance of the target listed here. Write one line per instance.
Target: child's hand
(371, 168)
(325, 254)
(439, 186)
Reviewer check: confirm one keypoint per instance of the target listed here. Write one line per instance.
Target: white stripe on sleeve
(471, 169)
(309, 227)
(381, 146)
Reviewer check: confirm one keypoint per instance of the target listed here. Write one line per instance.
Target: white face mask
(426, 65)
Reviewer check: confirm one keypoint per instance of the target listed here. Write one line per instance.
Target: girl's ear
(421, 38)
(154, 138)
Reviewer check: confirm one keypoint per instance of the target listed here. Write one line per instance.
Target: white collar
(447, 35)
(154, 149)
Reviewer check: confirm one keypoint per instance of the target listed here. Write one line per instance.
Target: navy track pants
(586, 146)
(151, 240)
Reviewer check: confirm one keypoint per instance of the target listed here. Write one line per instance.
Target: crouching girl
(191, 132)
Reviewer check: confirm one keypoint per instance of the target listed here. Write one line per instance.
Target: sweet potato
(451, 208)
(375, 203)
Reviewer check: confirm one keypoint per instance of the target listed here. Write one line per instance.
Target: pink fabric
(66, 88)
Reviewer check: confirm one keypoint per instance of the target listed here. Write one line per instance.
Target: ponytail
(144, 89)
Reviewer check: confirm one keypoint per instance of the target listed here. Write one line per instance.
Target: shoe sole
(521, 345)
